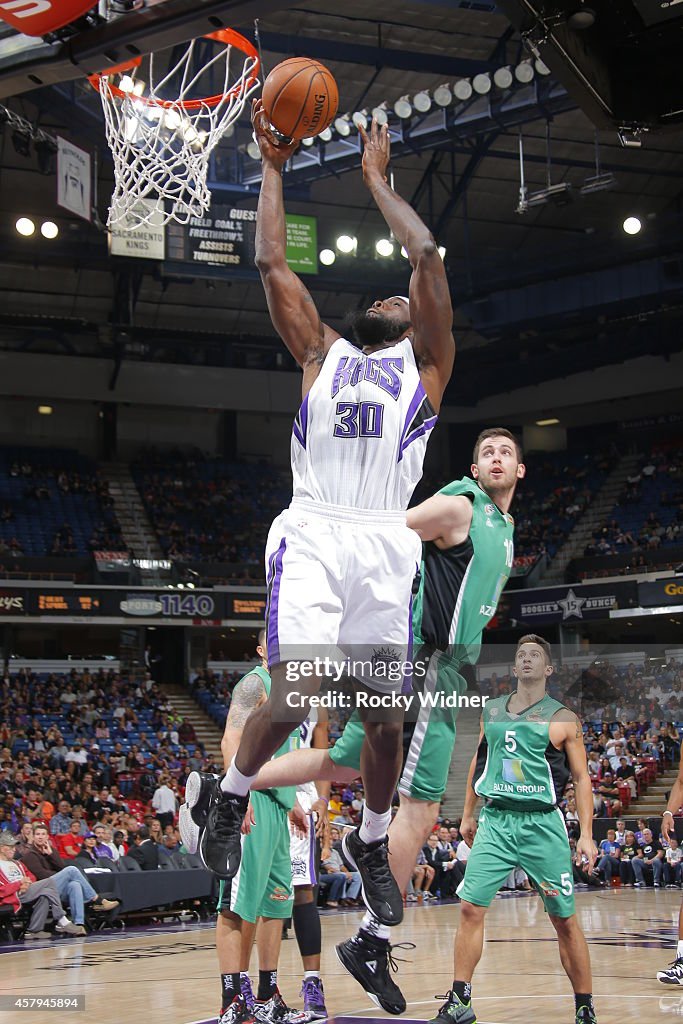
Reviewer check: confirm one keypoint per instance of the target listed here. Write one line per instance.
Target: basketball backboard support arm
(27, 64)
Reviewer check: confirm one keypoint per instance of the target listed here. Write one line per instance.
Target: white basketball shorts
(340, 582)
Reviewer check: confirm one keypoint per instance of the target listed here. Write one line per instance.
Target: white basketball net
(161, 147)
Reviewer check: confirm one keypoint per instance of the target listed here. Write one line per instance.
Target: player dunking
(529, 744)
(340, 560)
(467, 557)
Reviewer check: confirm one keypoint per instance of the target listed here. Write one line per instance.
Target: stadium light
(481, 84)
(327, 257)
(384, 247)
(347, 244)
(380, 113)
(403, 108)
(503, 78)
(45, 410)
(524, 72)
(342, 125)
(541, 67)
(49, 229)
(443, 97)
(442, 251)
(552, 422)
(422, 101)
(632, 225)
(25, 227)
(253, 150)
(462, 90)
(326, 135)
(307, 142)
(360, 118)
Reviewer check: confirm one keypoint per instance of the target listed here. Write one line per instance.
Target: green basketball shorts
(428, 748)
(262, 886)
(532, 840)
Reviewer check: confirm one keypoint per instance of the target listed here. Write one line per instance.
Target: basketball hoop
(161, 145)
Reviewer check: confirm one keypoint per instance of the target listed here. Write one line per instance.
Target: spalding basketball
(300, 98)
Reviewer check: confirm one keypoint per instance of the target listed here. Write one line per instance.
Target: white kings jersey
(360, 435)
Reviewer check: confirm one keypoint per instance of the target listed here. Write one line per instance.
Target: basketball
(300, 97)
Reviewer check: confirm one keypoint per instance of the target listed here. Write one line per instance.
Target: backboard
(107, 39)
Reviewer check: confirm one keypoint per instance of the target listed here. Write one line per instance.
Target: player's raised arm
(444, 517)
(431, 313)
(576, 755)
(291, 307)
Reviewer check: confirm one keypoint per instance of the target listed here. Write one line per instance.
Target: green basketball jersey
(517, 765)
(284, 795)
(460, 586)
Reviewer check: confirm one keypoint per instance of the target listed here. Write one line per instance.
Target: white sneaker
(70, 929)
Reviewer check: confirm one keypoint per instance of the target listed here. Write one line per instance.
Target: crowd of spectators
(92, 766)
(649, 511)
(53, 502)
(210, 510)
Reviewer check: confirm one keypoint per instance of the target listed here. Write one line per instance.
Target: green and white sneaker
(586, 1016)
(454, 1011)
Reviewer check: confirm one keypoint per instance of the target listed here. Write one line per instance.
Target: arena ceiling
(537, 294)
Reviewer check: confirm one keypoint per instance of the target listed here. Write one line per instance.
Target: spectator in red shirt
(70, 845)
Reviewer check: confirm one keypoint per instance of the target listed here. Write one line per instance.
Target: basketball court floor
(169, 972)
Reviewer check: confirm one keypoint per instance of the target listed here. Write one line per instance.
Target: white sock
(679, 951)
(372, 925)
(311, 974)
(374, 826)
(63, 921)
(236, 783)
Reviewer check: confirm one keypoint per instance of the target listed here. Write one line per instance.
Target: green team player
(467, 557)
(262, 888)
(529, 744)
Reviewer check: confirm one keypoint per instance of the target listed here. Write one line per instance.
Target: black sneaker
(236, 1013)
(199, 789)
(454, 1011)
(381, 895)
(586, 1015)
(673, 975)
(368, 960)
(276, 1011)
(220, 844)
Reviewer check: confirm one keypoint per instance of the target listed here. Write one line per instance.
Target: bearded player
(340, 561)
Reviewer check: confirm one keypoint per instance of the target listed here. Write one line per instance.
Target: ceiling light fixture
(422, 101)
(25, 227)
(327, 257)
(524, 72)
(503, 78)
(347, 244)
(384, 247)
(552, 422)
(462, 90)
(49, 229)
(403, 108)
(380, 113)
(481, 84)
(443, 97)
(632, 225)
(342, 125)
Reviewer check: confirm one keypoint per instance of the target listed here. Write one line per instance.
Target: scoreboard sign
(224, 237)
(189, 607)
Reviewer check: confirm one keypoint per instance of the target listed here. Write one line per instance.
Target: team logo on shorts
(512, 770)
(298, 867)
(548, 889)
(280, 894)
